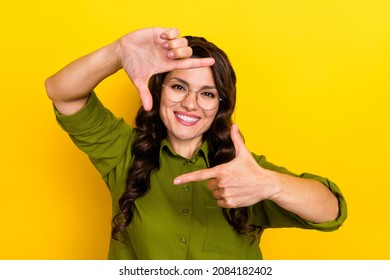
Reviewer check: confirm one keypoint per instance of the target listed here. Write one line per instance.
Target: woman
(182, 182)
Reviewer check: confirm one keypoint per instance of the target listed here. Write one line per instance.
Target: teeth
(187, 118)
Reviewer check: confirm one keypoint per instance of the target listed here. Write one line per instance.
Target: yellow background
(313, 95)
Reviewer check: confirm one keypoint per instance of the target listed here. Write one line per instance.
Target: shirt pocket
(220, 237)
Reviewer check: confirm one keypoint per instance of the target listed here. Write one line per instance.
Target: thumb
(237, 139)
(145, 95)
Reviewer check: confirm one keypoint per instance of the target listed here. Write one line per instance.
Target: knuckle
(231, 203)
(178, 43)
(182, 52)
(224, 183)
(223, 191)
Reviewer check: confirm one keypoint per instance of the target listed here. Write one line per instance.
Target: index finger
(189, 63)
(195, 176)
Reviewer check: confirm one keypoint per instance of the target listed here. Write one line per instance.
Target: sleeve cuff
(331, 225)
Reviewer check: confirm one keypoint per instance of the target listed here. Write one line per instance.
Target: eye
(208, 94)
(178, 87)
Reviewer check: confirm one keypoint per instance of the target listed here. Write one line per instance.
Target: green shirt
(174, 222)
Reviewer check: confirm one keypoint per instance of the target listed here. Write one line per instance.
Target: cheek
(210, 117)
(163, 113)
(165, 109)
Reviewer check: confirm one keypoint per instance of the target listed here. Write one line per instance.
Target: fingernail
(165, 45)
(171, 54)
(177, 181)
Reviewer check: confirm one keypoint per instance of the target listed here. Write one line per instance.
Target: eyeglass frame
(188, 93)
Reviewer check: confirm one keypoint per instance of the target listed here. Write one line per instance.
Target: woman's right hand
(146, 52)
(141, 53)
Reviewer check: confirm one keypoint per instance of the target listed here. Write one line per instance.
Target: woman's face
(186, 121)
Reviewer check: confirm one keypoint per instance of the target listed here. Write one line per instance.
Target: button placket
(184, 213)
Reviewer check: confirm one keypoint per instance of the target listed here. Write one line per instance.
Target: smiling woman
(187, 120)
(183, 135)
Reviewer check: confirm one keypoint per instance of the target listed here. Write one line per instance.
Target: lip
(186, 118)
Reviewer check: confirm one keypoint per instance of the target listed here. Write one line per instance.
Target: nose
(190, 102)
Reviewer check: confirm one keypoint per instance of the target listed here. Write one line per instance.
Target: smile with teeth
(187, 119)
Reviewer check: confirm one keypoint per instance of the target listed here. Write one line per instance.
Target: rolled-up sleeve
(277, 217)
(97, 132)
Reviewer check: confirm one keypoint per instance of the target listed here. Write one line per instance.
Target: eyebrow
(188, 85)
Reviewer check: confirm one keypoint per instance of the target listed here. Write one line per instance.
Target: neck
(186, 148)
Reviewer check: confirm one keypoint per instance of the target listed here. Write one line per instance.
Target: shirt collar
(202, 151)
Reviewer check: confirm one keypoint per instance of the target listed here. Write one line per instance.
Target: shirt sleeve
(277, 217)
(97, 132)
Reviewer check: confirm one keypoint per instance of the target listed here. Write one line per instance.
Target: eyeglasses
(207, 99)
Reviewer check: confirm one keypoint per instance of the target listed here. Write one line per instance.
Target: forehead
(196, 76)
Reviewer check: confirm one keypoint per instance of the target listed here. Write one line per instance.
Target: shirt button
(185, 211)
(185, 188)
(183, 240)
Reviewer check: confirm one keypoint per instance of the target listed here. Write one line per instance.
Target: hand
(238, 183)
(155, 50)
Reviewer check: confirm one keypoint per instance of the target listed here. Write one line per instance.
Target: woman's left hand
(150, 51)
(238, 183)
